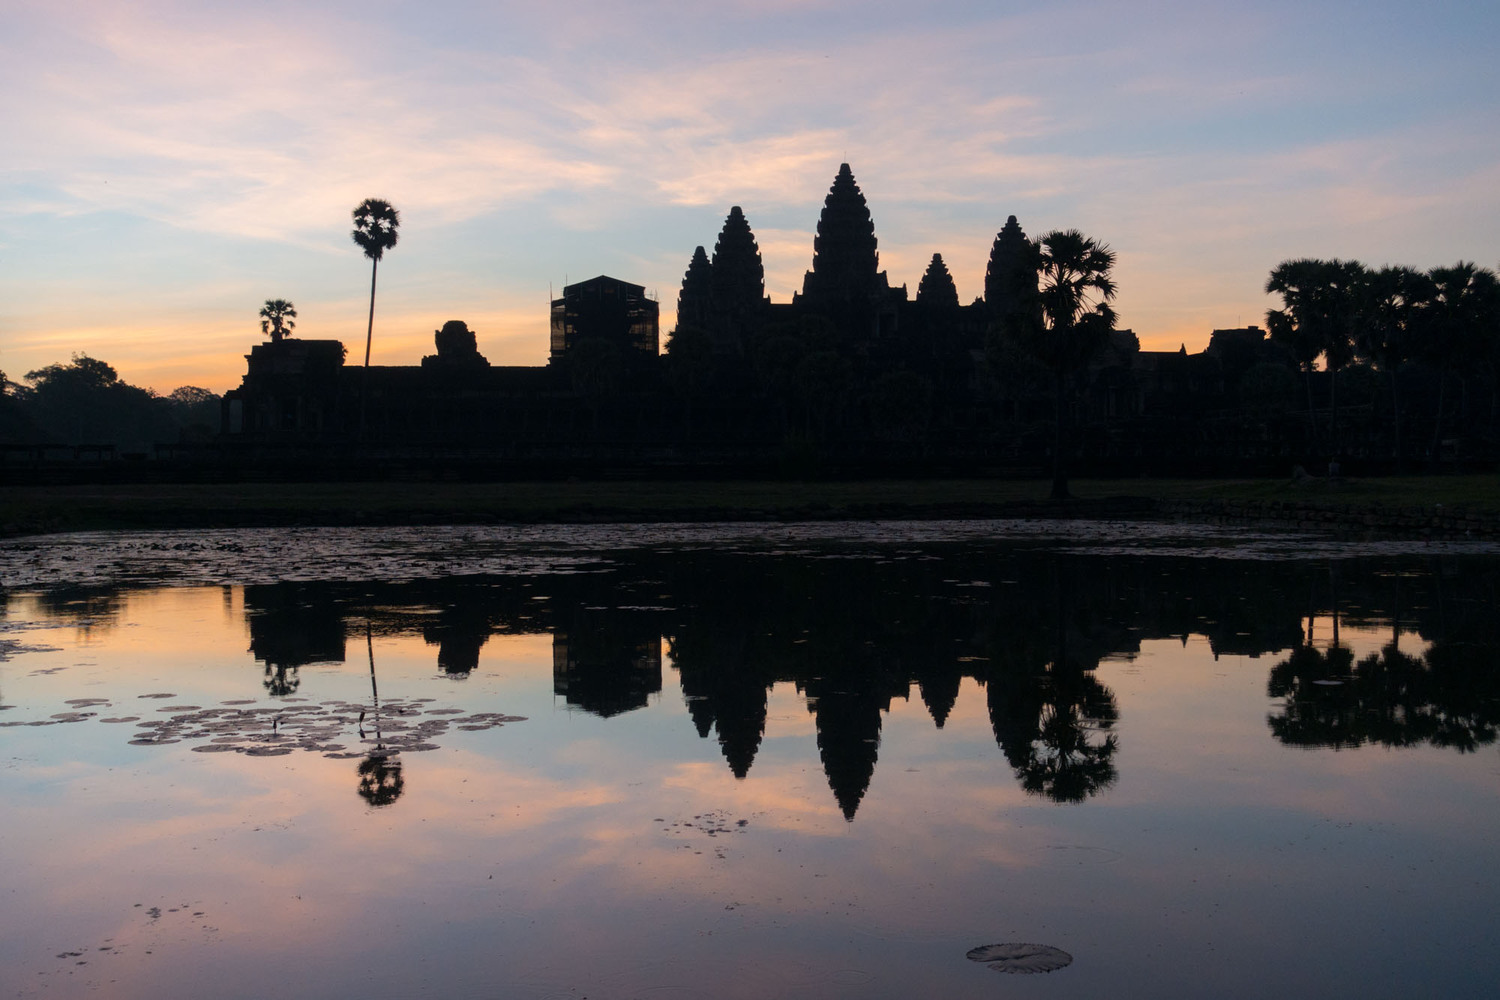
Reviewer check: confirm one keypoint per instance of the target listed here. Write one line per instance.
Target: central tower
(846, 283)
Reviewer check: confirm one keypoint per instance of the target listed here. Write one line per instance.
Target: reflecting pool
(964, 759)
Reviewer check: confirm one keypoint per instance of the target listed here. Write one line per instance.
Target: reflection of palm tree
(1050, 726)
(1389, 698)
(1054, 725)
(1069, 762)
(281, 679)
(1384, 690)
(1317, 709)
(1464, 690)
(380, 780)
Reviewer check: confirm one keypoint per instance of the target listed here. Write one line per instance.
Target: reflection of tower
(1015, 704)
(724, 691)
(459, 634)
(290, 627)
(848, 721)
(939, 685)
(605, 671)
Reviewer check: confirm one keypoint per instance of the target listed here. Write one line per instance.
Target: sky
(168, 166)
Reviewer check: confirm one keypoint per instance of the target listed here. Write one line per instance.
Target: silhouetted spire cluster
(738, 281)
(855, 375)
(695, 301)
(845, 263)
(724, 301)
(1010, 280)
(937, 290)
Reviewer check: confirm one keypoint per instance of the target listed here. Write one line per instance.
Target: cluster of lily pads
(337, 729)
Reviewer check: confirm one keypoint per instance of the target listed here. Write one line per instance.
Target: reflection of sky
(551, 855)
(172, 164)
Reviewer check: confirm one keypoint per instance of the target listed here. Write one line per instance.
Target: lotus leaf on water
(1019, 957)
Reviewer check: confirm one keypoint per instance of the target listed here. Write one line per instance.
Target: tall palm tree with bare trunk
(1071, 321)
(375, 225)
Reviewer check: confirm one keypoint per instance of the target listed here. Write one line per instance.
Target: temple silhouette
(853, 372)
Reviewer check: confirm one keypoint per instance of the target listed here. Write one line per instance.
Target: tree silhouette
(277, 319)
(375, 225)
(1072, 322)
(86, 402)
(1392, 310)
(1460, 323)
(1321, 307)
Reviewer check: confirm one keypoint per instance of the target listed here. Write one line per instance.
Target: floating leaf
(1017, 957)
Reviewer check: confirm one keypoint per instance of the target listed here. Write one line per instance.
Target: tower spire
(738, 283)
(845, 261)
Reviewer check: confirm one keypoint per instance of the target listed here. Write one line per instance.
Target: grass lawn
(25, 509)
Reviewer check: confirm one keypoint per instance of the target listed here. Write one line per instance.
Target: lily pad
(1021, 958)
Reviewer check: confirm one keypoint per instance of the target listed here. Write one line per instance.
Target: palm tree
(1461, 319)
(1391, 314)
(375, 225)
(1072, 320)
(1321, 308)
(276, 318)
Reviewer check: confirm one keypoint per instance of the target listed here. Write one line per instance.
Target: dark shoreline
(1433, 507)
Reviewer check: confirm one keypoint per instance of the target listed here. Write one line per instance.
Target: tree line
(1343, 313)
(85, 402)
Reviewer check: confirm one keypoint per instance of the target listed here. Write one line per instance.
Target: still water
(748, 761)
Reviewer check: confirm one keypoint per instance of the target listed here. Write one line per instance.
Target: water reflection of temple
(605, 673)
(291, 626)
(1028, 628)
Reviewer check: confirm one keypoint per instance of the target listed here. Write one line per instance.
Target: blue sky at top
(171, 165)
